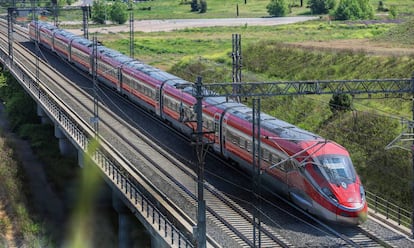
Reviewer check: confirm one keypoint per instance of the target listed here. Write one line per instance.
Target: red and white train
(317, 174)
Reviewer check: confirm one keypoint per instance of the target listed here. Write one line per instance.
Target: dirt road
(176, 24)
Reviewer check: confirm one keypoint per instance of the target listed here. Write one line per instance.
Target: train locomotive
(315, 173)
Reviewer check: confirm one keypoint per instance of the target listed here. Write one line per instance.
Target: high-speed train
(315, 173)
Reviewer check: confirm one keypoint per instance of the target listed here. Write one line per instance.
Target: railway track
(222, 211)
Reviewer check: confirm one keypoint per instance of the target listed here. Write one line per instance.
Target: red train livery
(317, 174)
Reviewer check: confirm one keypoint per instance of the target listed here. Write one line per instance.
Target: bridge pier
(44, 118)
(81, 157)
(157, 242)
(65, 146)
(124, 222)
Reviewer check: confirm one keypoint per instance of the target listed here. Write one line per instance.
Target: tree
(119, 12)
(99, 12)
(321, 6)
(194, 6)
(277, 8)
(203, 6)
(354, 10)
(340, 102)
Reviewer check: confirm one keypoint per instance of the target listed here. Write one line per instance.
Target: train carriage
(61, 43)
(81, 53)
(45, 33)
(32, 31)
(109, 67)
(138, 86)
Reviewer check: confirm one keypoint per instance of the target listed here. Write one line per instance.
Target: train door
(217, 141)
(118, 85)
(158, 101)
(70, 50)
(278, 170)
(296, 184)
(222, 134)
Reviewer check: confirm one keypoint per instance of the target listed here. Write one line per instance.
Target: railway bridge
(159, 189)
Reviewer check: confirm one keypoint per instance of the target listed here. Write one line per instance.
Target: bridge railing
(134, 195)
(81, 134)
(389, 210)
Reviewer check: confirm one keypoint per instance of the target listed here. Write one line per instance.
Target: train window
(265, 154)
(206, 123)
(275, 159)
(289, 165)
(188, 112)
(337, 168)
(248, 145)
(242, 143)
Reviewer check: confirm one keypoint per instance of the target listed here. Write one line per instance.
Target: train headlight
(362, 191)
(329, 193)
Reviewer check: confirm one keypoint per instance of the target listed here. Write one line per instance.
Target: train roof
(158, 74)
(47, 26)
(221, 102)
(44, 25)
(65, 33)
(214, 100)
(83, 41)
(280, 128)
(115, 55)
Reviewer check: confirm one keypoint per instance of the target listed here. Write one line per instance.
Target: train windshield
(337, 168)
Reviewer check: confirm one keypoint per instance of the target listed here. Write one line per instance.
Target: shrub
(277, 8)
(321, 6)
(354, 10)
(119, 13)
(203, 6)
(99, 12)
(340, 102)
(393, 12)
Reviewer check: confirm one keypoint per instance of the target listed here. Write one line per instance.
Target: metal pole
(201, 211)
(95, 119)
(236, 57)
(131, 32)
(85, 14)
(412, 153)
(10, 18)
(256, 172)
(55, 14)
(37, 48)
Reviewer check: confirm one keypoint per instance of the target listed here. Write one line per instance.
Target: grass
(179, 9)
(16, 222)
(164, 49)
(171, 9)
